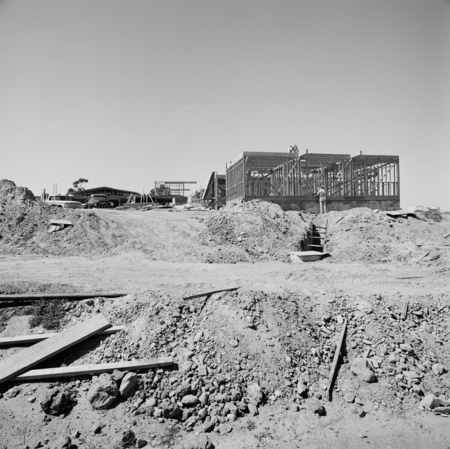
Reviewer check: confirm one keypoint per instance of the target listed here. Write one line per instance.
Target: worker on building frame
(293, 149)
(322, 194)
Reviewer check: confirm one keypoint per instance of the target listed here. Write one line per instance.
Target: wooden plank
(27, 358)
(336, 359)
(81, 370)
(64, 222)
(34, 338)
(72, 296)
(198, 295)
(404, 311)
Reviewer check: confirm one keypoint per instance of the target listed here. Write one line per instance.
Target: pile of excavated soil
(367, 236)
(256, 231)
(24, 222)
(284, 342)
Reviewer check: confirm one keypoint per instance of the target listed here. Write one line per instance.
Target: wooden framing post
(216, 191)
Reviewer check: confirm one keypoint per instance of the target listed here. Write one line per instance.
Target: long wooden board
(80, 370)
(63, 222)
(72, 296)
(198, 295)
(336, 359)
(34, 338)
(27, 358)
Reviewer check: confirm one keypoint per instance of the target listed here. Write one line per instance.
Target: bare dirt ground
(277, 330)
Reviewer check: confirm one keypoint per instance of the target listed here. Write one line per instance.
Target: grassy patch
(48, 313)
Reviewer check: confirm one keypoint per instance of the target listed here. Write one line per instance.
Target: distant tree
(79, 185)
(70, 191)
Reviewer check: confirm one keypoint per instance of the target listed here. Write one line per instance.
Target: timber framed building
(292, 180)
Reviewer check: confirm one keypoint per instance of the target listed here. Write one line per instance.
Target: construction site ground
(158, 257)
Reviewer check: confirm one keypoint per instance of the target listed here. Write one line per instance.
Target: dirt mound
(364, 235)
(24, 221)
(284, 342)
(256, 230)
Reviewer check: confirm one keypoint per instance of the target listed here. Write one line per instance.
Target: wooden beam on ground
(63, 222)
(34, 338)
(48, 373)
(22, 361)
(198, 295)
(404, 311)
(72, 296)
(336, 359)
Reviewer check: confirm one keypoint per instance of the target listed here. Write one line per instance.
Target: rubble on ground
(238, 351)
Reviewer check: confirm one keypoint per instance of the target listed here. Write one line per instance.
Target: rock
(103, 392)
(430, 402)
(234, 343)
(128, 439)
(190, 400)
(128, 384)
(302, 389)
(184, 390)
(151, 402)
(364, 306)
(202, 370)
(187, 366)
(294, 407)
(320, 410)
(170, 410)
(230, 408)
(117, 375)
(438, 369)
(204, 398)
(141, 443)
(254, 392)
(253, 409)
(97, 427)
(361, 368)
(63, 443)
(406, 348)
(349, 397)
(13, 392)
(208, 426)
(55, 402)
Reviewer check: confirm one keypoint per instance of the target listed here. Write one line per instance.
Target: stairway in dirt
(316, 237)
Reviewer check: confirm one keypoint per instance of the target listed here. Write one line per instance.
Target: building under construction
(292, 180)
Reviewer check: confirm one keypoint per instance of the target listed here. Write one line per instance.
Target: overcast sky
(126, 92)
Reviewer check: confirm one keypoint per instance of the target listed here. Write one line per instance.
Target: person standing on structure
(322, 194)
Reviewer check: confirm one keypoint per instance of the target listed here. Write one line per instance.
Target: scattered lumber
(63, 222)
(72, 296)
(34, 338)
(48, 373)
(400, 213)
(336, 359)
(27, 358)
(404, 311)
(198, 295)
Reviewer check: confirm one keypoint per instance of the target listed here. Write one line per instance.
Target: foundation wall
(310, 204)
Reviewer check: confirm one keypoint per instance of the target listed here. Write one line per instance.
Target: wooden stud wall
(363, 175)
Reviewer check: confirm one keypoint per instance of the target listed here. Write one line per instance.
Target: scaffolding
(171, 188)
